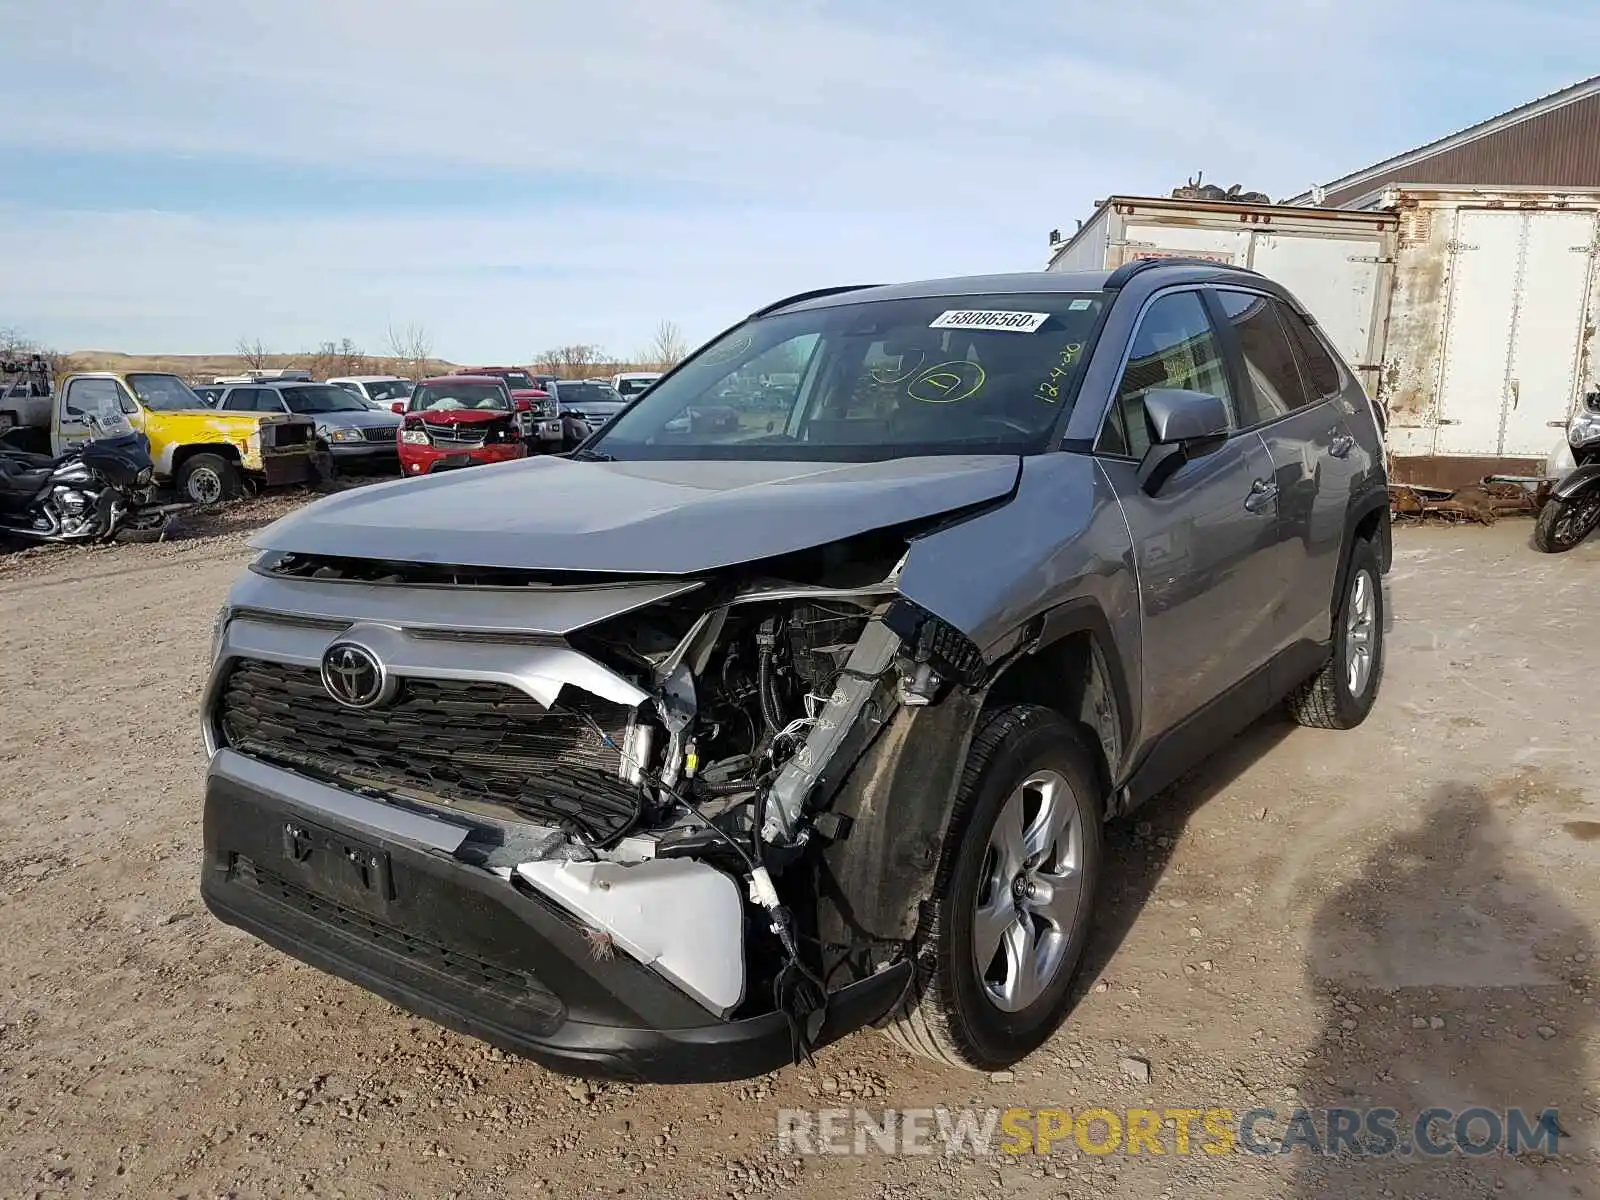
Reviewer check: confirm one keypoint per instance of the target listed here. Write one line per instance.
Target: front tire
(1005, 930)
(1563, 524)
(1342, 694)
(208, 479)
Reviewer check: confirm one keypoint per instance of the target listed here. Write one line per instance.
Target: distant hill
(203, 368)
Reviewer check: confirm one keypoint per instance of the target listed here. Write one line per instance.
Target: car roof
(366, 379)
(277, 383)
(540, 392)
(494, 379)
(1017, 282)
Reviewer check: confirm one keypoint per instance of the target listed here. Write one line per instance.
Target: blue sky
(516, 174)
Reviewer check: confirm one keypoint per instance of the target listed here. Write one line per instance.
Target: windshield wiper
(592, 456)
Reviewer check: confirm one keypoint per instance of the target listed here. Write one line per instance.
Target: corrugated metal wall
(1561, 148)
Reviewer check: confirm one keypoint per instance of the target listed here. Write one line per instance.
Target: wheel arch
(182, 454)
(1366, 519)
(1075, 668)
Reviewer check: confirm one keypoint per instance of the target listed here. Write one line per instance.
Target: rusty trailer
(1467, 313)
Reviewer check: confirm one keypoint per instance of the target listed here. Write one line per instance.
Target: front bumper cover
(458, 945)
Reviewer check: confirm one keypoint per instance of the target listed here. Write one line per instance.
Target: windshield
(321, 398)
(389, 389)
(519, 380)
(448, 395)
(580, 393)
(632, 387)
(872, 380)
(164, 393)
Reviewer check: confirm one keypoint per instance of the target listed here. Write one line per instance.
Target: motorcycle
(1573, 509)
(99, 490)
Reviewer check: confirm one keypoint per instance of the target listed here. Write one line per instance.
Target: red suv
(461, 421)
(546, 431)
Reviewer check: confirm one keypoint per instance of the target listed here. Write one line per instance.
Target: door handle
(1341, 445)
(1262, 493)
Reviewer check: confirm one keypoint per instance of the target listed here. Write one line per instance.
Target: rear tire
(1342, 694)
(208, 479)
(1004, 933)
(1563, 524)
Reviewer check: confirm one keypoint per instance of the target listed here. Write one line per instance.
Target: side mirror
(399, 406)
(1183, 426)
(523, 405)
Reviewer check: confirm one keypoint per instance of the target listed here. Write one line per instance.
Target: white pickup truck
(25, 388)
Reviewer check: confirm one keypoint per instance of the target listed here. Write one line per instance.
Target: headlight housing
(219, 629)
(343, 435)
(414, 436)
(1584, 428)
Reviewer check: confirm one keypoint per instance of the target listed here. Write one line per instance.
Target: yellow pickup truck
(201, 453)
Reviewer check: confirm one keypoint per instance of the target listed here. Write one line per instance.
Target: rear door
(1314, 454)
(1209, 581)
(1339, 280)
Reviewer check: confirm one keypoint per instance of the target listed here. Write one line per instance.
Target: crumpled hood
(462, 416)
(670, 518)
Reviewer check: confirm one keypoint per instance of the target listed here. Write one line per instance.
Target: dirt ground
(1404, 915)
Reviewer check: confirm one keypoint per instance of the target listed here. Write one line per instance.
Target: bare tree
(574, 361)
(411, 348)
(667, 347)
(351, 359)
(253, 352)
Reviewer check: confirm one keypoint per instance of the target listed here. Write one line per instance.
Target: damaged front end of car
(648, 827)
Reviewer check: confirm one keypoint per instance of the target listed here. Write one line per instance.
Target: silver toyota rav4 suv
(688, 753)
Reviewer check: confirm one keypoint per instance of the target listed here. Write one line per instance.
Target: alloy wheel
(1577, 519)
(1360, 634)
(1032, 885)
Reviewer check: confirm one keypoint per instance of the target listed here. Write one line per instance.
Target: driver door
(1209, 580)
(100, 397)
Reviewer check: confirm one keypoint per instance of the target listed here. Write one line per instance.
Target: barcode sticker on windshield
(984, 318)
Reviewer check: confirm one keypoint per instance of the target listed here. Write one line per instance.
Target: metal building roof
(1546, 142)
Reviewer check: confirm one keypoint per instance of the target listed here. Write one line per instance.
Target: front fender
(1577, 481)
(1062, 538)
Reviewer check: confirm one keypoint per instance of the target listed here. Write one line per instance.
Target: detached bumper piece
(376, 895)
(288, 467)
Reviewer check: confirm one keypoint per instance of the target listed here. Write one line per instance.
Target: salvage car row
(208, 444)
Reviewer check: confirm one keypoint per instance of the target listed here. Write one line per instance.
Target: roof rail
(815, 294)
(1128, 270)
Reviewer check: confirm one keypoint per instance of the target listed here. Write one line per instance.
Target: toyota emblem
(354, 677)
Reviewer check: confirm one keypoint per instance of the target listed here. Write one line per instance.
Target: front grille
(457, 435)
(286, 434)
(443, 742)
(378, 433)
(518, 990)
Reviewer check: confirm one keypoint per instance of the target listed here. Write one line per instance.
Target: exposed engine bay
(664, 774)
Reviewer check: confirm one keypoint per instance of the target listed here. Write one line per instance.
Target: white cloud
(488, 288)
